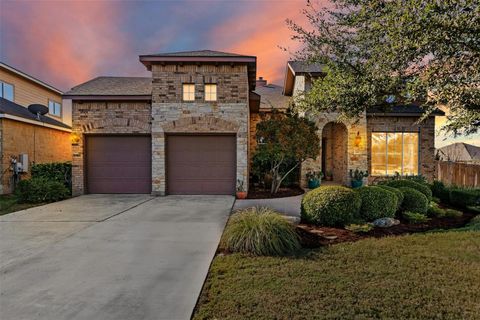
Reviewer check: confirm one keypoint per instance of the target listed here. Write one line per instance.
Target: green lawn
(9, 203)
(423, 276)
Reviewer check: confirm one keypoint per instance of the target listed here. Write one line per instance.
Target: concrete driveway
(109, 257)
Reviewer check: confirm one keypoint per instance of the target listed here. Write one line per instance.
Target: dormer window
(188, 92)
(210, 92)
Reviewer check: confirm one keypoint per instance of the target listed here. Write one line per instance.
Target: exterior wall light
(358, 140)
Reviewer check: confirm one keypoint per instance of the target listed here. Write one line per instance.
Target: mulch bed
(312, 236)
(282, 193)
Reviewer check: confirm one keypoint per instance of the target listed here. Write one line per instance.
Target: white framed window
(210, 92)
(188, 92)
(394, 152)
(6, 91)
(54, 108)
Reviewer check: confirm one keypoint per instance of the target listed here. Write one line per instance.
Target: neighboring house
(459, 152)
(190, 128)
(38, 138)
(384, 141)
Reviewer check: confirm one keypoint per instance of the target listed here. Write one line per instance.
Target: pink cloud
(63, 41)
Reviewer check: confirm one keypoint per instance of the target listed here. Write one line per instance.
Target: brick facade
(229, 114)
(101, 117)
(355, 155)
(426, 130)
(41, 144)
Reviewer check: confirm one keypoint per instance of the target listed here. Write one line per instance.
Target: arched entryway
(334, 151)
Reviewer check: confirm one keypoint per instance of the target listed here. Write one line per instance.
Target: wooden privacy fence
(459, 174)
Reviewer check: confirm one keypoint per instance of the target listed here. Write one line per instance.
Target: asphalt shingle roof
(113, 86)
(305, 67)
(197, 53)
(271, 97)
(11, 108)
(402, 109)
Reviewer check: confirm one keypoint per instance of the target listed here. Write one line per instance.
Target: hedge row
(456, 196)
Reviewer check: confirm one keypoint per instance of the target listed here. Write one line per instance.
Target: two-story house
(33, 138)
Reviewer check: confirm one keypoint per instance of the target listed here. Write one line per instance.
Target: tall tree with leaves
(400, 51)
(287, 141)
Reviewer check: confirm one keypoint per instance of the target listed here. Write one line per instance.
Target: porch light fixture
(358, 140)
(74, 138)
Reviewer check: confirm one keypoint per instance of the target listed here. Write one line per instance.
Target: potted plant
(314, 178)
(356, 177)
(329, 175)
(241, 193)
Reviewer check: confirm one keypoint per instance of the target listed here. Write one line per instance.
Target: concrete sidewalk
(109, 257)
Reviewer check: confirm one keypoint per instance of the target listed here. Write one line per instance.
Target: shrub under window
(414, 201)
(412, 184)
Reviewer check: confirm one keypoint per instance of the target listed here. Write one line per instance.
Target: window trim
(205, 92)
(61, 109)
(386, 151)
(183, 91)
(2, 82)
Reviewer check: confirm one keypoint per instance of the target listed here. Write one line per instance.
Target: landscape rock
(385, 222)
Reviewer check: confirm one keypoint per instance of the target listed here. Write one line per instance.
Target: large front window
(394, 152)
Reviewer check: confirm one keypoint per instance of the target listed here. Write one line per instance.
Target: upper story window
(188, 92)
(211, 92)
(6, 91)
(54, 108)
(394, 152)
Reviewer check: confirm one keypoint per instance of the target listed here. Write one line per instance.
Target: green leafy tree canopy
(377, 52)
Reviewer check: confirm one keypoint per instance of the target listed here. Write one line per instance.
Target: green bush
(412, 184)
(474, 224)
(414, 200)
(452, 213)
(440, 191)
(415, 217)
(398, 194)
(331, 206)
(38, 190)
(54, 171)
(435, 211)
(464, 197)
(377, 203)
(261, 232)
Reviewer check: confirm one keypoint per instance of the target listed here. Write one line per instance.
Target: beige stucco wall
(229, 114)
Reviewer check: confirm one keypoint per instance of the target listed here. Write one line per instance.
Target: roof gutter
(34, 122)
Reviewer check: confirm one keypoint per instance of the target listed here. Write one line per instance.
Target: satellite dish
(38, 109)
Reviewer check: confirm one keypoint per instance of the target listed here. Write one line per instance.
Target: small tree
(286, 139)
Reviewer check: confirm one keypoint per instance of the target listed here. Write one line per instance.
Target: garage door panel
(118, 164)
(201, 164)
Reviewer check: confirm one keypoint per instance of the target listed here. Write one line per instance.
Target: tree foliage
(400, 51)
(286, 140)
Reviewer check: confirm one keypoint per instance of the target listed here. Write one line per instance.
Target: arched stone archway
(334, 156)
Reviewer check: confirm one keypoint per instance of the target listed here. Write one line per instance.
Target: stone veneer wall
(229, 114)
(356, 155)
(104, 117)
(426, 130)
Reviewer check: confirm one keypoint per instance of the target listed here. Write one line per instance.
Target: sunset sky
(68, 42)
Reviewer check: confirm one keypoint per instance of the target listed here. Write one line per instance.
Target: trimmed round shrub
(331, 206)
(411, 184)
(377, 203)
(38, 190)
(398, 194)
(261, 232)
(414, 201)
